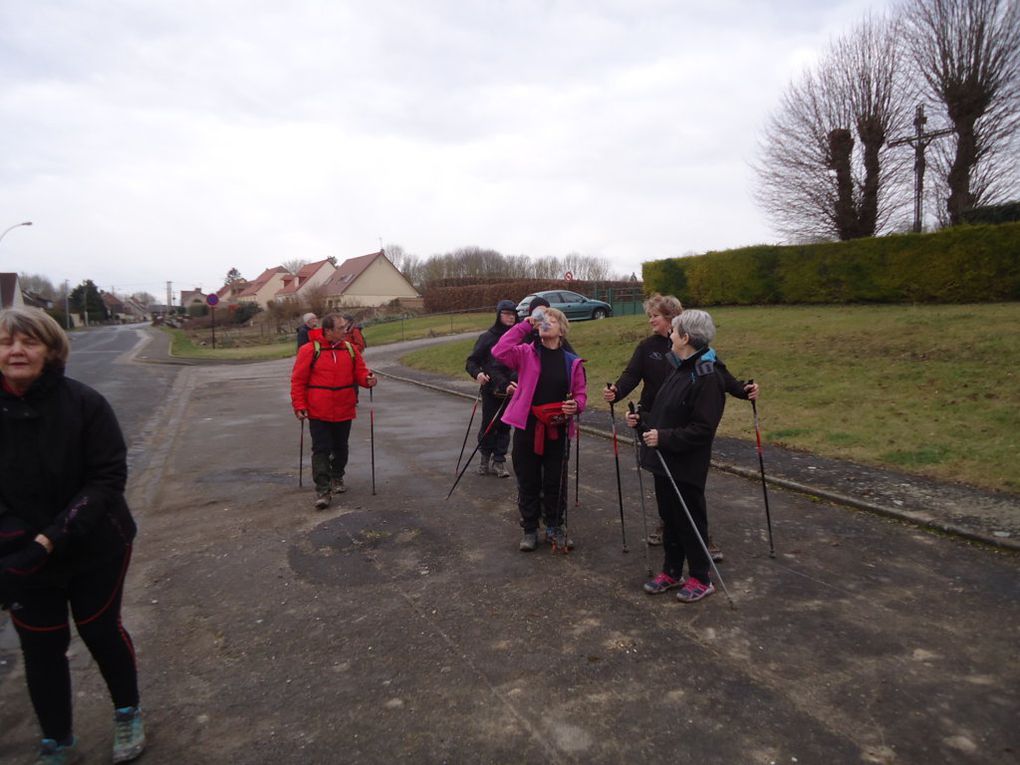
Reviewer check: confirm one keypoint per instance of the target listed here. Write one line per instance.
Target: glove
(13, 533)
(19, 565)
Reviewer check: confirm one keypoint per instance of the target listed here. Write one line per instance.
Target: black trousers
(679, 542)
(541, 483)
(40, 617)
(331, 438)
(496, 442)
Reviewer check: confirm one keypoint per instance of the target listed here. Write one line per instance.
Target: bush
(964, 264)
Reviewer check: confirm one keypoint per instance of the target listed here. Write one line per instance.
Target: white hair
(697, 325)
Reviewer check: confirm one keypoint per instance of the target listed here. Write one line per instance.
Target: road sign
(569, 276)
(212, 299)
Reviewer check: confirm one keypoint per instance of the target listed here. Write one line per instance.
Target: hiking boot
(655, 538)
(714, 552)
(529, 542)
(694, 590)
(558, 538)
(499, 470)
(52, 753)
(336, 485)
(483, 465)
(128, 734)
(661, 583)
(323, 500)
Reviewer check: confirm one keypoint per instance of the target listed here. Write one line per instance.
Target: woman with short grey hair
(681, 427)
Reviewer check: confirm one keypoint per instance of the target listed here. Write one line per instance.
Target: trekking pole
(641, 489)
(701, 541)
(564, 485)
(371, 436)
(478, 446)
(301, 458)
(616, 457)
(577, 464)
(468, 431)
(761, 465)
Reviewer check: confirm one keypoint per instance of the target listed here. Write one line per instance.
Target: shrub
(964, 264)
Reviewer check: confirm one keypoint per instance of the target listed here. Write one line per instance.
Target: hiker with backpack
(353, 333)
(496, 381)
(551, 391)
(323, 390)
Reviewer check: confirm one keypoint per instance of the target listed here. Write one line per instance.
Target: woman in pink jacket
(551, 389)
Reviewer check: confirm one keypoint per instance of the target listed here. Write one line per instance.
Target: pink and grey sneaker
(694, 590)
(660, 584)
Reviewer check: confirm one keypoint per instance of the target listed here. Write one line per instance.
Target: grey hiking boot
(483, 465)
(529, 542)
(714, 552)
(322, 500)
(499, 470)
(52, 753)
(336, 485)
(128, 734)
(558, 539)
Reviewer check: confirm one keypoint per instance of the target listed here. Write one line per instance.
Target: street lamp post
(9, 228)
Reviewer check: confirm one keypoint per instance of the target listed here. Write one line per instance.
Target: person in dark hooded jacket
(496, 382)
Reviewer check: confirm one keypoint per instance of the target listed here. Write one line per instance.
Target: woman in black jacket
(681, 427)
(649, 367)
(496, 382)
(67, 530)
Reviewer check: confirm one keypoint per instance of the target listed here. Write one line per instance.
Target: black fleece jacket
(649, 363)
(686, 412)
(63, 467)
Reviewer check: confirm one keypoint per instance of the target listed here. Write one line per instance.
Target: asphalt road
(399, 627)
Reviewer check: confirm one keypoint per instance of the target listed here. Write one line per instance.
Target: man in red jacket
(323, 390)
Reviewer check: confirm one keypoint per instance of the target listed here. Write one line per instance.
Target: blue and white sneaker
(128, 734)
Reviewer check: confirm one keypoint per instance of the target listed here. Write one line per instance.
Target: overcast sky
(169, 141)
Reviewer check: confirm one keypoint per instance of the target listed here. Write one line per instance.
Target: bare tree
(233, 277)
(38, 284)
(967, 54)
(825, 168)
(143, 298)
(294, 264)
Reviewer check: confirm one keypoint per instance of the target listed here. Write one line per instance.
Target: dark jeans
(541, 482)
(40, 617)
(496, 442)
(679, 541)
(331, 438)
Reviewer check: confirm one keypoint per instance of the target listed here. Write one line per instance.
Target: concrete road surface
(402, 627)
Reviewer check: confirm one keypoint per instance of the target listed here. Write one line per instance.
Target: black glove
(19, 565)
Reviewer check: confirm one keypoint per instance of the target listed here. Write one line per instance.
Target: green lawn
(183, 346)
(925, 389)
(427, 326)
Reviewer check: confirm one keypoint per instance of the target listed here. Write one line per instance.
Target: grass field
(182, 344)
(926, 389)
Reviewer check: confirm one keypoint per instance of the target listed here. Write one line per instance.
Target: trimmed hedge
(964, 264)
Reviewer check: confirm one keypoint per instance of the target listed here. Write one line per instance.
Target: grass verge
(929, 389)
(182, 345)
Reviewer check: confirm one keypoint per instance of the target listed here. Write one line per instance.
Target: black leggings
(40, 617)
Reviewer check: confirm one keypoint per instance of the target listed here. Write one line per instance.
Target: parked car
(575, 307)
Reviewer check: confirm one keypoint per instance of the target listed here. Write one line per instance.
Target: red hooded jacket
(326, 387)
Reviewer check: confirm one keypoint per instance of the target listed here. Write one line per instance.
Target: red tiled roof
(348, 272)
(292, 285)
(260, 282)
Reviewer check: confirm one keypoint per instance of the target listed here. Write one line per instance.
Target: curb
(915, 518)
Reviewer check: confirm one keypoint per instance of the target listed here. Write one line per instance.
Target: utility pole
(169, 299)
(67, 302)
(919, 141)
